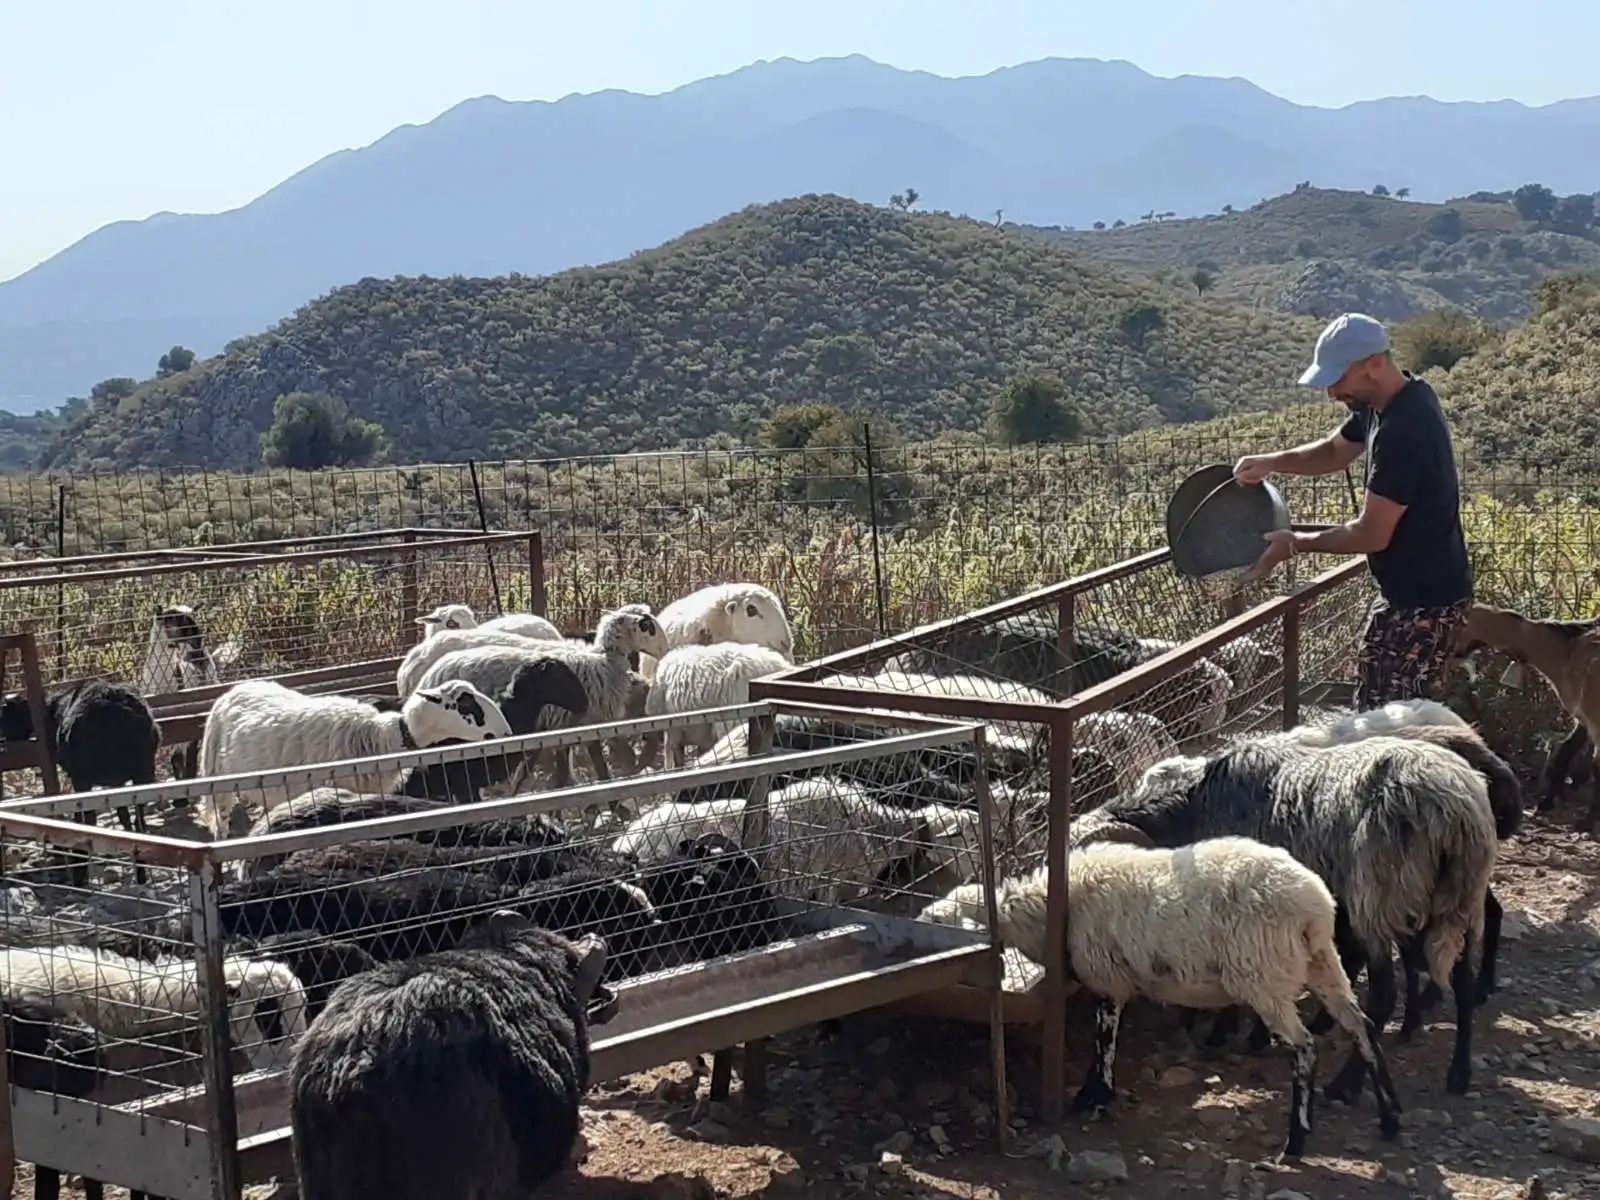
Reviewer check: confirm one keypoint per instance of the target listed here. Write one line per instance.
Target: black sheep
(101, 734)
(456, 1076)
(603, 898)
(320, 964)
(48, 1050)
(537, 685)
(711, 899)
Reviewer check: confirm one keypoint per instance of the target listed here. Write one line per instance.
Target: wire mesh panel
(774, 889)
(167, 624)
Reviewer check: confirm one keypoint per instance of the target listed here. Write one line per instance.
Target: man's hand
(1280, 545)
(1253, 468)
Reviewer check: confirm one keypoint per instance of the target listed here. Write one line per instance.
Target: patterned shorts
(1403, 652)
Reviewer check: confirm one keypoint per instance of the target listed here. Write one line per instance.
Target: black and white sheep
(1400, 830)
(461, 616)
(129, 998)
(1223, 921)
(483, 1049)
(320, 964)
(602, 667)
(101, 734)
(260, 725)
(176, 659)
(692, 677)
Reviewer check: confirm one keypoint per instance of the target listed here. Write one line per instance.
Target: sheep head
(631, 630)
(759, 619)
(448, 616)
(453, 710)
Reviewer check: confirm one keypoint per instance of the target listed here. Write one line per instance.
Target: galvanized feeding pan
(1216, 525)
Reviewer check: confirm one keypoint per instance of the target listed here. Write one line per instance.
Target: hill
(914, 318)
(491, 187)
(1321, 251)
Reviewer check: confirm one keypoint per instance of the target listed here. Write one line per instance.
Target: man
(1410, 525)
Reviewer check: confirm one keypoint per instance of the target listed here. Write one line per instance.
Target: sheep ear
(423, 621)
(504, 920)
(431, 695)
(590, 952)
(1126, 835)
(732, 606)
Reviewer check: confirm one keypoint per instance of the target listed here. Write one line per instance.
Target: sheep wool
(692, 677)
(134, 998)
(483, 1050)
(461, 616)
(260, 725)
(431, 649)
(725, 612)
(1131, 741)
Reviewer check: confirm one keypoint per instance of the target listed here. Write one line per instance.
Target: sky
(116, 109)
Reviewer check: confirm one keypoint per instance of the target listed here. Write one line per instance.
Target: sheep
(460, 616)
(602, 667)
(260, 725)
(1567, 654)
(1224, 921)
(50, 1049)
(482, 1049)
(536, 685)
(1132, 741)
(711, 899)
(1247, 665)
(176, 659)
(100, 734)
(604, 898)
(320, 964)
(725, 612)
(414, 665)
(1400, 829)
(693, 676)
(130, 998)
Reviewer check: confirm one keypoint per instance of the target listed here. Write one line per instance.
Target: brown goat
(1567, 654)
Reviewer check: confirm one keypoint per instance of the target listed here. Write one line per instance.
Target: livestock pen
(152, 1026)
(1083, 684)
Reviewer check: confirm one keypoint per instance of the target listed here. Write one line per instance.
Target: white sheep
(693, 677)
(461, 616)
(1224, 921)
(1131, 741)
(130, 998)
(417, 660)
(601, 666)
(260, 725)
(725, 612)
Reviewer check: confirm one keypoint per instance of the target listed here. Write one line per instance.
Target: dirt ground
(899, 1107)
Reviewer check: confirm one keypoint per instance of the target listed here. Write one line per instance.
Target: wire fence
(856, 543)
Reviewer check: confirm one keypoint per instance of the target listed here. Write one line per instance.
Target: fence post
(222, 1127)
(483, 527)
(1291, 665)
(872, 508)
(61, 671)
(536, 593)
(1053, 1037)
(407, 634)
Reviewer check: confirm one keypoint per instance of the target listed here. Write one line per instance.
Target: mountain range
(492, 188)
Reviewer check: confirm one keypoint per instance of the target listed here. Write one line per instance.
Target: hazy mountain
(491, 187)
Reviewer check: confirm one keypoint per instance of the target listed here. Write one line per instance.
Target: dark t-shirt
(1410, 461)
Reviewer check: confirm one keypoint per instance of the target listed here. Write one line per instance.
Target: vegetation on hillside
(917, 320)
(1321, 251)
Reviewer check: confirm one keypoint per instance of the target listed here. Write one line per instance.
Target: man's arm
(1369, 533)
(1322, 457)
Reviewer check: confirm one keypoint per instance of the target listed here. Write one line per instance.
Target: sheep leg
(1462, 981)
(1493, 915)
(46, 1183)
(93, 1189)
(1099, 1090)
(1418, 999)
(597, 760)
(1381, 998)
(561, 766)
(1592, 817)
(1353, 960)
(1329, 983)
(1279, 1015)
(1224, 1025)
(1559, 766)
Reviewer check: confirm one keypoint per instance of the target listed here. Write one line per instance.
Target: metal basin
(1215, 524)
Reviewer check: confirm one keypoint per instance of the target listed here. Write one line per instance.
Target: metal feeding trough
(1215, 524)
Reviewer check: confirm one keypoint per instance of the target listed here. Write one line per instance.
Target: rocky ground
(900, 1107)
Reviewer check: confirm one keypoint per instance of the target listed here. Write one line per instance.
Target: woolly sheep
(1224, 921)
(422, 656)
(482, 1049)
(49, 1049)
(602, 668)
(460, 616)
(712, 900)
(1131, 741)
(320, 964)
(1400, 830)
(725, 612)
(101, 734)
(130, 998)
(260, 725)
(693, 677)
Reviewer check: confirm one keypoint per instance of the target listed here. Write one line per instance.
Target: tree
(1099, 224)
(1575, 214)
(1379, 190)
(1119, 223)
(1139, 322)
(108, 393)
(1202, 280)
(175, 362)
(313, 430)
(1447, 225)
(1402, 193)
(1227, 209)
(905, 200)
(1441, 338)
(1033, 409)
(1534, 202)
